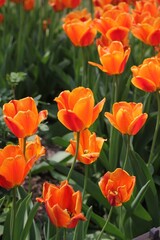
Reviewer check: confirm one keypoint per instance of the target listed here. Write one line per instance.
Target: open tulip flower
(146, 76)
(117, 186)
(115, 24)
(33, 149)
(22, 117)
(89, 147)
(76, 110)
(63, 205)
(14, 167)
(148, 31)
(127, 118)
(79, 28)
(113, 58)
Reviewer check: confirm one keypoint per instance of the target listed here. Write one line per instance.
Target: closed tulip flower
(117, 186)
(14, 167)
(76, 110)
(22, 117)
(127, 118)
(79, 28)
(89, 147)
(113, 58)
(146, 76)
(63, 205)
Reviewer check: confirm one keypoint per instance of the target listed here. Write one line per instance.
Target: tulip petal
(13, 170)
(28, 120)
(14, 127)
(70, 120)
(137, 124)
(58, 216)
(75, 219)
(97, 109)
(111, 119)
(42, 115)
(144, 84)
(123, 120)
(84, 107)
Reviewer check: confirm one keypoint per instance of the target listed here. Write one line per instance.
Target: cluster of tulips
(78, 112)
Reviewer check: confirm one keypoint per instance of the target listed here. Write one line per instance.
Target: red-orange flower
(113, 58)
(146, 76)
(74, 106)
(28, 4)
(115, 24)
(148, 31)
(127, 117)
(22, 117)
(79, 28)
(2, 2)
(89, 147)
(117, 186)
(59, 5)
(63, 204)
(14, 166)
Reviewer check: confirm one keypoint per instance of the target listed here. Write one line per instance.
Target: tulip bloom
(117, 186)
(113, 58)
(28, 4)
(22, 117)
(89, 147)
(146, 76)
(76, 108)
(2, 2)
(127, 118)
(59, 5)
(79, 28)
(148, 31)
(63, 204)
(14, 167)
(33, 149)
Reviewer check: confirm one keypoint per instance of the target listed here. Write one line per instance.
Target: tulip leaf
(110, 228)
(21, 215)
(29, 222)
(141, 171)
(140, 196)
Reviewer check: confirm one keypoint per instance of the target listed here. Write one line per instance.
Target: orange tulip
(33, 149)
(74, 106)
(146, 76)
(59, 5)
(14, 167)
(117, 186)
(28, 4)
(79, 28)
(113, 58)
(89, 147)
(63, 204)
(148, 31)
(22, 117)
(127, 118)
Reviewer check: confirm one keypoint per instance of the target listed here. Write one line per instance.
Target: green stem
(75, 157)
(13, 212)
(20, 42)
(105, 225)
(84, 76)
(64, 234)
(127, 142)
(156, 130)
(57, 234)
(85, 181)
